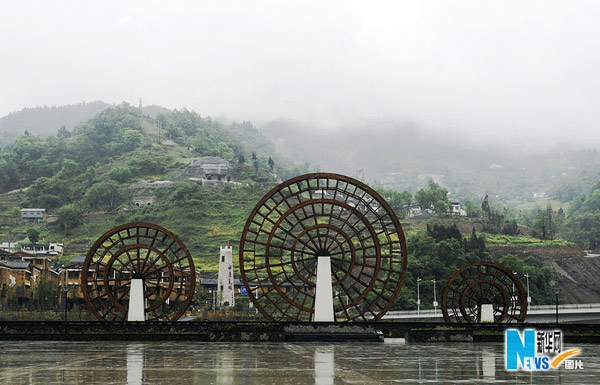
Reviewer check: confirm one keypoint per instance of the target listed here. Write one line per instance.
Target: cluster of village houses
(21, 272)
(24, 266)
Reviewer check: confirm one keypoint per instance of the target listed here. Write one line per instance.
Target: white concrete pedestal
(487, 312)
(323, 292)
(136, 301)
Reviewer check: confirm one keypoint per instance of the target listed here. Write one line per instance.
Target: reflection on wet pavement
(136, 363)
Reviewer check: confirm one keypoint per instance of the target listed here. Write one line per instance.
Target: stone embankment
(358, 332)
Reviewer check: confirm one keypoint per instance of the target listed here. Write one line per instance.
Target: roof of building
(21, 253)
(36, 256)
(16, 264)
(209, 160)
(32, 209)
(78, 259)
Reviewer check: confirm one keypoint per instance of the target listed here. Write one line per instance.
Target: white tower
(225, 282)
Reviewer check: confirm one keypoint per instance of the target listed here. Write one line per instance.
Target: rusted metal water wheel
(138, 250)
(322, 214)
(481, 283)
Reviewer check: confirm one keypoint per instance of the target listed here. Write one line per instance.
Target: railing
(566, 306)
(430, 312)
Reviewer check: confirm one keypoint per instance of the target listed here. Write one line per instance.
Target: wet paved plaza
(136, 363)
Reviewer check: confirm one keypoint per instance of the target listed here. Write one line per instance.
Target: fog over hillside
(521, 75)
(406, 157)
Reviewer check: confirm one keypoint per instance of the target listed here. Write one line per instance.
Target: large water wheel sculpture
(138, 251)
(317, 215)
(479, 284)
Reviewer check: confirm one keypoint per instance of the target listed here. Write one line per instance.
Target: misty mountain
(405, 157)
(45, 121)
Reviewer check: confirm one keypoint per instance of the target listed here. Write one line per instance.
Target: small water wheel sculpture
(479, 284)
(317, 215)
(143, 251)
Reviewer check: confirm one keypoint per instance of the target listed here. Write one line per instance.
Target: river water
(135, 363)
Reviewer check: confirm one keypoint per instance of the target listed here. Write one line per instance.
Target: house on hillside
(47, 249)
(9, 247)
(17, 276)
(34, 215)
(210, 168)
(21, 273)
(413, 211)
(457, 209)
(416, 211)
(70, 275)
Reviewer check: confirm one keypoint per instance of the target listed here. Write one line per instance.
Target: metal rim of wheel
(479, 283)
(138, 250)
(322, 214)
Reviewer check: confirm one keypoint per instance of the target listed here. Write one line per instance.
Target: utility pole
(514, 297)
(418, 296)
(435, 302)
(528, 296)
(556, 291)
(65, 290)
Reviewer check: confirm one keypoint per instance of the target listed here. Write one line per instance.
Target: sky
(509, 71)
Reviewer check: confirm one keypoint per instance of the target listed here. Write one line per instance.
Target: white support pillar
(487, 312)
(137, 306)
(323, 292)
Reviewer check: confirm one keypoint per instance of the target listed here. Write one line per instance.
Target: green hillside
(92, 176)
(126, 164)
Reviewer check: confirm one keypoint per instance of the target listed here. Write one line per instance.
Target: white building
(457, 209)
(225, 282)
(49, 249)
(33, 215)
(9, 247)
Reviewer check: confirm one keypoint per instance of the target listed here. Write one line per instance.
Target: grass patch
(492, 240)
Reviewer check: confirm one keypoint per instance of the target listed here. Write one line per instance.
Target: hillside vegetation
(92, 176)
(86, 176)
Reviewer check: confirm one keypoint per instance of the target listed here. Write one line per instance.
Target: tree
(103, 194)
(485, 205)
(544, 224)
(255, 161)
(511, 228)
(68, 217)
(584, 229)
(46, 293)
(271, 163)
(33, 233)
(121, 173)
(241, 159)
(63, 132)
(434, 197)
(475, 243)
(396, 199)
(472, 210)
